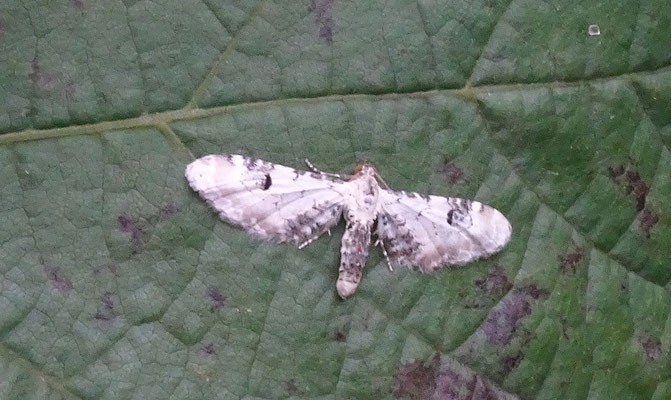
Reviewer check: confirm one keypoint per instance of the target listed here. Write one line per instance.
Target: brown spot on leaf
(138, 228)
(614, 172)
(133, 227)
(416, 379)
(167, 210)
(58, 280)
(451, 172)
(110, 267)
(431, 380)
(43, 78)
(106, 307)
(454, 385)
(78, 4)
(637, 188)
(631, 182)
(291, 388)
(208, 349)
(502, 323)
(648, 220)
(340, 336)
(496, 282)
(652, 347)
(217, 298)
(570, 261)
(70, 90)
(323, 11)
(510, 363)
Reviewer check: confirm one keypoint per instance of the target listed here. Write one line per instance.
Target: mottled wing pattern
(270, 201)
(429, 232)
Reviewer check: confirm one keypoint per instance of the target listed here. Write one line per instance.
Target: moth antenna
(319, 171)
(379, 177)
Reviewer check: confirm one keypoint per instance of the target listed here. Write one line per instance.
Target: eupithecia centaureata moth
(282, 204)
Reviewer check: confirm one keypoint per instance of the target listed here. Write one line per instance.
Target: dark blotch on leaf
(510, 363)
(291, 388)
(70, 90)
(43, 79)
(630, 180)
(614, 172)
(451, 172)
(108, 266)
(417, 380)
(431, 380)
(58, 280)
(167, 210)
(340, 336)
(208, 349)
(323, 11)
(496, 282)
(652, 347)
(502, 323)
(78, 4)
(106, 307)
(217, 298)
(133, 227)
(637, 188)
(571, 260)
(648, 220)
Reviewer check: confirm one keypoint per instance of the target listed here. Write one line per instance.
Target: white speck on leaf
(593, 30)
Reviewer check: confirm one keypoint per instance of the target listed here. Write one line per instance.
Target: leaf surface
(117, 281)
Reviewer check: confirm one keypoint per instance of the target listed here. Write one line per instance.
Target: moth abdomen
(353, 254)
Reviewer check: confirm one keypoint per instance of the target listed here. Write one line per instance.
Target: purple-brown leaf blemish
(40, 77)
(614, 172)
(453, 385)
(108, 266)
(503, 322)
(2, 27)
(58, 280)
(106, 307)
(70, 90)
(496, 282)
(631, 182)
(217, 298)
(208, 349)
(323, 11)
(637, 188)
(570, 261)
(416, 379)
(340, 336)
(648, 220)
(451, 172)
(78, 4)
(510, 363)
(430, 380)
(167, 210)
(291, 388)
(652, 347)
(133, 227)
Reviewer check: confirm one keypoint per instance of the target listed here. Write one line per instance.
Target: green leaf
(118, 282)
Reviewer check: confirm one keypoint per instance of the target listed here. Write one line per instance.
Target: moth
(285, 205)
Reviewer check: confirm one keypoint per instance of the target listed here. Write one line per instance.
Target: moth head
(364, 169)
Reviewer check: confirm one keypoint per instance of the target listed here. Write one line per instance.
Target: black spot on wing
(267, 182)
